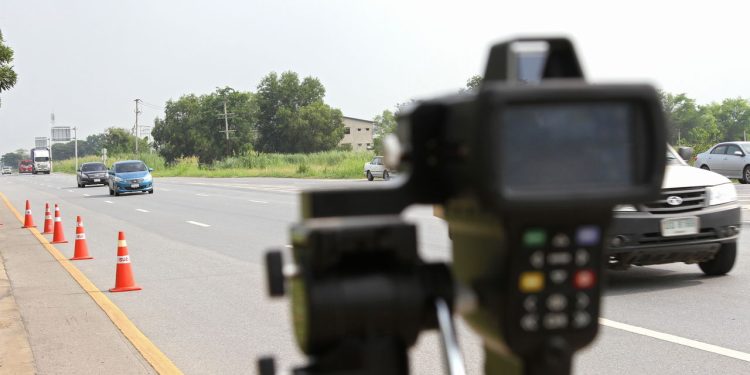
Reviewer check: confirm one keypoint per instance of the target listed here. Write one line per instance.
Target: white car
(730, 159)
(376, 168)
(7, 170)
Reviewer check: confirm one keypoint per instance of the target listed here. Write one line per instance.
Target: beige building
(358, 133)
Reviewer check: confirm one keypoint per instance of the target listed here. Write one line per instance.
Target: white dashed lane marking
(86, 195)
(141, 210)
(203, 195)
(254, 201)
(110, 202)
(197, 223)
(676, 340)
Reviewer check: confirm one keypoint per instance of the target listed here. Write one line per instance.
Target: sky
(87, 61)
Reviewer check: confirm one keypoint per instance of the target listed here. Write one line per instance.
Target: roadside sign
(40, 141)
(61, 134)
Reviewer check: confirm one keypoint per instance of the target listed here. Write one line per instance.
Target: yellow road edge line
(150, 352)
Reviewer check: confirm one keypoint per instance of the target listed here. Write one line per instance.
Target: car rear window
(130, 167)
(93, 167)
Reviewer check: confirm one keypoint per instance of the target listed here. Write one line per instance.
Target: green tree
(682, 114)
(8, 77)
(473, 83)
(292, 117)
(384, 123)
(192, 126)
(732, 118)
(12, 158)
(120, 141)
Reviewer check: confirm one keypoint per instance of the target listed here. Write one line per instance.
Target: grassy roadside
(330, 164)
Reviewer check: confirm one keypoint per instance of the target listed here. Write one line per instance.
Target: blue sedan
(130, 176)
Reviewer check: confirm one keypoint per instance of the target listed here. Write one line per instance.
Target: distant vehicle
(41, 160)
(730, 159)
(697, 220)
(25, 166)
(130, 176)
(91, 173)
(7, 170)
(376, 168)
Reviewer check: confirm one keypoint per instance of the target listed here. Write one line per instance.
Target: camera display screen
(566, 147)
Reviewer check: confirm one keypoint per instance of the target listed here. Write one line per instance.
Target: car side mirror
(78, 170)
(739, 153)
(151, 169)
(685, 153)
(110, 172)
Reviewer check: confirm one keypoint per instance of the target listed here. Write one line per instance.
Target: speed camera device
(527, 168)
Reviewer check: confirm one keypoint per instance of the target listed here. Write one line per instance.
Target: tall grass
(329, 164)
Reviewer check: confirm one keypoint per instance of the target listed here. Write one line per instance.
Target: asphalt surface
(197, 245)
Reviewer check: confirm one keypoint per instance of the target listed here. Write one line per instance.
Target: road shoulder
(65, 329)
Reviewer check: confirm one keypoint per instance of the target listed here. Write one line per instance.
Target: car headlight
(147, 178)
(719, 194)
(118, 179)
(625, 208)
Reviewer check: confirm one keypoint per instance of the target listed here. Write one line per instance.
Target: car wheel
(151, 191)
(745, 175)
(386, 176)
(705, 167)
(723, 260)
(370, 177)
(111, 192)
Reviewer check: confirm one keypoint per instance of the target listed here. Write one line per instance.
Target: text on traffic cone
(124, 276)
(48, 222)
(28, 221)
(82, 248)
(58, 236)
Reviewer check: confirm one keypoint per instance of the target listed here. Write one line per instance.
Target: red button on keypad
(584, 279)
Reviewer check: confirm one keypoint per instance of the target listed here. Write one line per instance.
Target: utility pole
(137, 130)
(226, 130)
(75, 130)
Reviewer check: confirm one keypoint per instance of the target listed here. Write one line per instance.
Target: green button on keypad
(534, 238)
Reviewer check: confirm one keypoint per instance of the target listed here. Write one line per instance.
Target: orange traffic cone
(58, 236)
(28, 221)
(47, 220)
(81, 249)
(124, 277)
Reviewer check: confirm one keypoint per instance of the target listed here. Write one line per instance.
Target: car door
(377, 167)
(715, 159)
(734, 161)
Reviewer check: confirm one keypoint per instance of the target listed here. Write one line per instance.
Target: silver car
(731, 159)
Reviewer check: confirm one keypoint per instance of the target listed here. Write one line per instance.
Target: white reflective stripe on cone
(121, 243)
(80, 236)
(28, 212)
(123, 259)
(58, 219)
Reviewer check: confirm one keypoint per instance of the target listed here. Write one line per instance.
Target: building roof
(358, 119)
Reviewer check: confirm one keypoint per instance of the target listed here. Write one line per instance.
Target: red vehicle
(25, 166)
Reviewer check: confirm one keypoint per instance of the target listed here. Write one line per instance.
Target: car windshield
(41, 159)
(93, 168)
(130, 167)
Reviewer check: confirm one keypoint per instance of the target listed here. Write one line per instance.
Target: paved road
(196, 247)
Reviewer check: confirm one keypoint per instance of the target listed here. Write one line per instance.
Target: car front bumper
(93, 180)
(126, 187)
(636, 238)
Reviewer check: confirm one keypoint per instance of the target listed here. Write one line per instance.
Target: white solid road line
(198, 224)
(677, 340)
(110, 202)
(141, 210)
(254, 201)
